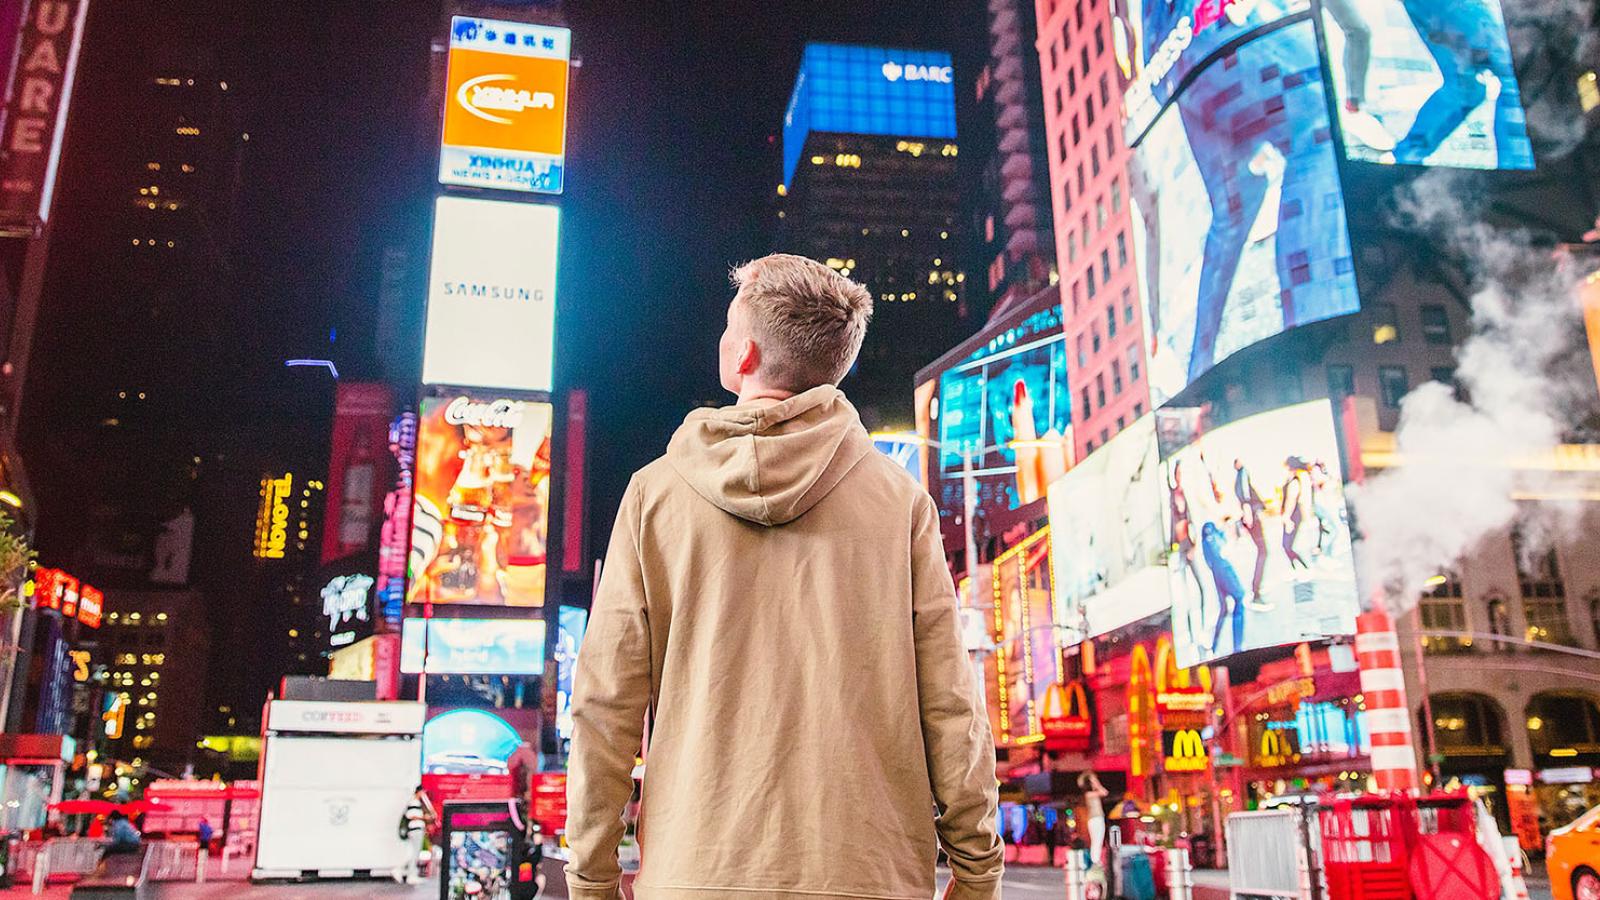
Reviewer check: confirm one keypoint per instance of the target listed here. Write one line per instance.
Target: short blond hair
(808, 320)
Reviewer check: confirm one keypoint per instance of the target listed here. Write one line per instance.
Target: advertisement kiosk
(336, 778)
(485, 853)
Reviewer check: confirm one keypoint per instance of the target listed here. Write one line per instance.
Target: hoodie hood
(770, 462)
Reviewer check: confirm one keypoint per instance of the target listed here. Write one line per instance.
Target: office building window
(1105, 265)
(1105, 91)
(1077, 135)
(1084, 58)
(1100, 213)
(1105, 435)
(1083, 352)
(1094, 342)
(1435, 324)
(1385, 323)
(1445, 375)
(1116, 192)
(1394, 384)
(1089, 277)
(1111, 321)
(1094, 161)
(1100, 394)
(1116, 382)
(1537, 568)
(1133, 365)
(1066, 33)
(1547, 621)
(1072, 246)
(1086, 407)
(1082, 183)
(1122, 241)
(1066, 196)
(1127, 306)
(1088, 111)
(1061, 146)
(1060, 104)
(1100, 39)
(1341, 382)
(1072, 80)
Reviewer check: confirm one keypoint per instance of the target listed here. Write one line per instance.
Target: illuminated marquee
(1185, 751)
(272, 518)
(55, 589)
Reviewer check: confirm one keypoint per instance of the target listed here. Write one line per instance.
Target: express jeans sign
(36, 111)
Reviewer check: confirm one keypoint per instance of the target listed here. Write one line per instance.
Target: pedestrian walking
(203, 833)
(776, 596)
(415, 823)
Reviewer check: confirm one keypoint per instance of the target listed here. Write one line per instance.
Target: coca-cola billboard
(359, 467)
(36, 109)
(482, 497)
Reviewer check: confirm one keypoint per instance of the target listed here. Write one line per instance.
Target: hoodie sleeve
(611, 691)
(955, 725)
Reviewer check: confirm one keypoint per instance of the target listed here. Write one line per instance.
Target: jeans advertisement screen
(1425, 82)
(1007, 406)
(1239, 217)
(1259, 541)
(1159, 42)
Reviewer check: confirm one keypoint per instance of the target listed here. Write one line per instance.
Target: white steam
(1521, 393)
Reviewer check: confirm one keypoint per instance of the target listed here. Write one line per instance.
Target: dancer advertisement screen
(1239, 217)
(1158, 42)
(1108, 535)
(481, 514)
(1425, 82)
(1259, 541)
(1007, 407)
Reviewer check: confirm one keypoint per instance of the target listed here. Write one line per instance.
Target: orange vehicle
(1572, 856)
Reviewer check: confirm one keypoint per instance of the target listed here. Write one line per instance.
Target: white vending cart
(336, 778)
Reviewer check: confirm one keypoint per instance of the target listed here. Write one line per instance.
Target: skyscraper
(870, 188)
(1090, 202)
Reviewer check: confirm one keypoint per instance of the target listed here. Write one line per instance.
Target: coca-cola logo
(494, 414)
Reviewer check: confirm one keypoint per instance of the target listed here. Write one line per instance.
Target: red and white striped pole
(1394, 755)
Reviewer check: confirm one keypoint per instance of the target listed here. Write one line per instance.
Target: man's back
(776, 591)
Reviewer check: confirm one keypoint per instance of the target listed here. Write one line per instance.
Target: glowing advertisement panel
(474, 646)
(1239, 217)
(572, 621)
(482, 510)
(1108, 535)
(467, 742)
(1006, 406)
(1426, 82)
(850, 89)
(1259, 552)
(1158, 42)
(492, 295)
(1028, 659)
(505, 112)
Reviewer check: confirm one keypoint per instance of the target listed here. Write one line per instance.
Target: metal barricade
(72, 857)
(170, 861)
(1266, 855)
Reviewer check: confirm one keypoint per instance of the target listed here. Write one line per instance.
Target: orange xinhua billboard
(505, 115)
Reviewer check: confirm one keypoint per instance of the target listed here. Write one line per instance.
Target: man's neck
(760, 394)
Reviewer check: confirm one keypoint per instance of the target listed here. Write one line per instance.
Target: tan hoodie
(775, 594)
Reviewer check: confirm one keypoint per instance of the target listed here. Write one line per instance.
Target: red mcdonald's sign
(1066, 719)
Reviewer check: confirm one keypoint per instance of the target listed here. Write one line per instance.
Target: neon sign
(272, 519)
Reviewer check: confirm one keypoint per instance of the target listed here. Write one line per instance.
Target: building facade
(869, 187)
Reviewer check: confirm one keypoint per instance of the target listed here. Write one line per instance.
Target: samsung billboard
(492, 295)
(850, 89)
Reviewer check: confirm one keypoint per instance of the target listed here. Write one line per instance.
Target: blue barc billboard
(850, 89)
(1239, 217)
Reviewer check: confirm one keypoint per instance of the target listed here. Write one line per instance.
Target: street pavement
(1021, 883)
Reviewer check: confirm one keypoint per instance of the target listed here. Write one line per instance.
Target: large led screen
(851, 89)
(1239, 218)
(467, 742)
(482, 509)
(1426, 82)
(473, 646)
(1158, 42)
(505, 106)
(1109, 537)
(1007, 407)
(1027, 656)
(572, 621)
(492, 295)
(1259, 541)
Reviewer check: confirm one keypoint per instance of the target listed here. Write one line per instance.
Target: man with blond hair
(775, 597)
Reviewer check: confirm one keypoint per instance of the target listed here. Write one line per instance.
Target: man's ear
(749, 358)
